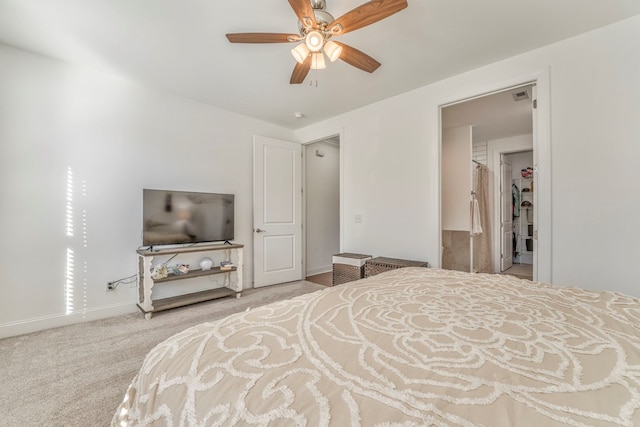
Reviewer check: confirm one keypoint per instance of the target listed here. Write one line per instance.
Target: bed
(412, 346)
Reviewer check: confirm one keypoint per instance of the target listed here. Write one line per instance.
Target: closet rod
(477, 163)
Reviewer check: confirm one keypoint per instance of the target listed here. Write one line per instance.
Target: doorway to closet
(517, 215)
(321, 208)
(480, 136)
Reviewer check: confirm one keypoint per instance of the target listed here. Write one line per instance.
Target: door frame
(541, 152)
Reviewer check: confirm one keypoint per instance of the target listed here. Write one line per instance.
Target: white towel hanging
(476, 228)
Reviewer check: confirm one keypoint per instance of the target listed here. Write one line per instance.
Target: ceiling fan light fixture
(333, 50)
(316, 29)
(314, 40)
(300, 53)
(317, 61)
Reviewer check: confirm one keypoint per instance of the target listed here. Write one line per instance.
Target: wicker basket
(380, 265)
(348, 267)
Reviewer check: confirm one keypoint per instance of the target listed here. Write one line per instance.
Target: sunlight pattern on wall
(84, 215)
(69, 281)
(69, 270)
(69, 202)
(77, 267)
(84, 245)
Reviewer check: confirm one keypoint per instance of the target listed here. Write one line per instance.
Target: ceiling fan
(316, 29)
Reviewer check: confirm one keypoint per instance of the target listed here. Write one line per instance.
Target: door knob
(259, 230)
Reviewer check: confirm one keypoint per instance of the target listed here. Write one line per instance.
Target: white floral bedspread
(412, 346)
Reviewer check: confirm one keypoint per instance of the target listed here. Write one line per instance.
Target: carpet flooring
(77, 375)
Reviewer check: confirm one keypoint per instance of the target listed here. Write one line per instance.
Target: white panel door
(277, 204)
(506, 216)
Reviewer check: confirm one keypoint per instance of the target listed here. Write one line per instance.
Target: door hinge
(535, 103)
(535, 234)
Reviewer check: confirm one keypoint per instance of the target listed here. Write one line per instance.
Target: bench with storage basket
(381, 264)
(348, 267)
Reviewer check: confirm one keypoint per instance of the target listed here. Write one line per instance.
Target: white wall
(322, 195)
(456, 178)
(116, 138)
(385, 172)
(391, 158)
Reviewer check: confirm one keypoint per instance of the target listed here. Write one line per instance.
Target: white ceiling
(180, 46)
(493, 116)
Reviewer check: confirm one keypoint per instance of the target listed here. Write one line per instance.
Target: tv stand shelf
(232, 285)
(193, 273)
(193, 298)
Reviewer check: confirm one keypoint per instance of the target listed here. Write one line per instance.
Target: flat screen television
(179, 217)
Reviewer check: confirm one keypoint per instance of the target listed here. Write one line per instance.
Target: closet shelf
(523, 224)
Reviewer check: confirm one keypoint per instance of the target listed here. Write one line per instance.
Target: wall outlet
(111, 286)
(358, 219)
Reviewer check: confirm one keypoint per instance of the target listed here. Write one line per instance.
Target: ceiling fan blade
(262, 38)
(300, 71)
(304, 11)
(366, 14)
(358, 59)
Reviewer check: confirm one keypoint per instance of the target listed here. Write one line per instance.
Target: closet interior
(522, 208)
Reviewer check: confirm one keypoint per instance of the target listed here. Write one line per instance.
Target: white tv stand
(148, 305)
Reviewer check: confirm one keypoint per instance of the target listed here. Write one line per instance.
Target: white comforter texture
(412, 346)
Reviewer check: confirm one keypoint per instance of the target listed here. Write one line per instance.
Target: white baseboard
(319, 270)
(40, 323)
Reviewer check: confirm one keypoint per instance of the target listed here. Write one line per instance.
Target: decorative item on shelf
(226, 265)
(206, 263)
(527, 172)
(529, 244)
(527, 206)
(159, 272)
(180, 269)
